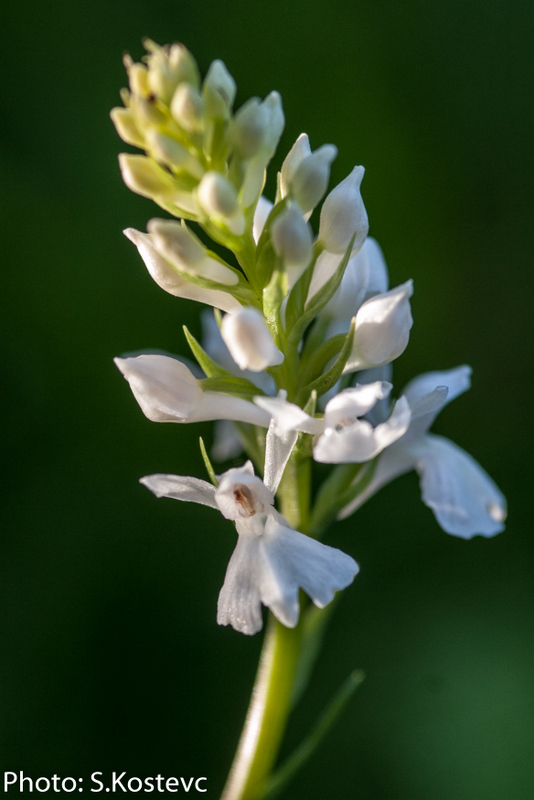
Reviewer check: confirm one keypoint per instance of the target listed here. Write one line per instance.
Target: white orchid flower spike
(271, 561)
(342, 436)
(463, 497)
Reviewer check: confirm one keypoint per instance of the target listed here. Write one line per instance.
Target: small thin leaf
(315, 624)
(230, 385)
(320, 298)
(329, 379)
(281, 777)
(207, 462)
(315, 364)
(299, 293)
(210, 367)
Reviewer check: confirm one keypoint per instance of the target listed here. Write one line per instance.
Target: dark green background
(111, 658)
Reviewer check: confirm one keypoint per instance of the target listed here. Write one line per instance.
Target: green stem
(270, 703)
(267, 714)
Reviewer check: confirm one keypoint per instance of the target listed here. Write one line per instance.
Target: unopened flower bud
(311, 177)
(300, 151)
(186, 252)
(249, 341)
(137, 77)
(126, 127)
(382, 328)
(168, 151)
(187, 108)
(249, 128)
(343, 214)
(255, 172)
(218, 199)
(168, 67)
(144, 176)
(219, 91)
(292, 240)
(173, 282)
(275, 127)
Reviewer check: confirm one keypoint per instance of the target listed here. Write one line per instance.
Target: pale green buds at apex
(176, 283)
(218, 90)
(184, 251)
(144, 176)
(168, 67)
(249, 341)
(126, 127)
(187, 108)
(218, 199)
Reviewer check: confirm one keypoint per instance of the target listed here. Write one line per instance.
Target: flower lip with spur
(167, 391)
(342, 437)
(271, 560)
(463, 497)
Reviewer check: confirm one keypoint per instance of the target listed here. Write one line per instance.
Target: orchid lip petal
(181, 487)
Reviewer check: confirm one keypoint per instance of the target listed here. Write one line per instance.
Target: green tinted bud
(187, 108)
(137, 77)
(218, 199)
(168, 67)
(143, 176)
(126, 127)
(218, 91)
(249, 127)
(168, 151)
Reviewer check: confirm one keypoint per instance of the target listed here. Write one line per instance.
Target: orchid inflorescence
(299, 366)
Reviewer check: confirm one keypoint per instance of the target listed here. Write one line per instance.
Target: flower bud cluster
(201, 160)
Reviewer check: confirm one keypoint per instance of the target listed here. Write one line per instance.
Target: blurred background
(110, 655)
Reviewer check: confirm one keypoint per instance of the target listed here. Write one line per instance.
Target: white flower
(172, 281)
(215, 347)
(167, 391)
(271, 561)
(382, 329)
(249, 340)
(342, 437)
(343, 214)
(461, 494)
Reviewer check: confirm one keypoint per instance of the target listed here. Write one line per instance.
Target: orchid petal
(456, 380)
(271, 568)
(359, 441)
(181, 487)
(278, 448)
(261, 214)
(463, 497)
(242, 495)
(355, 402)
(288, 416)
